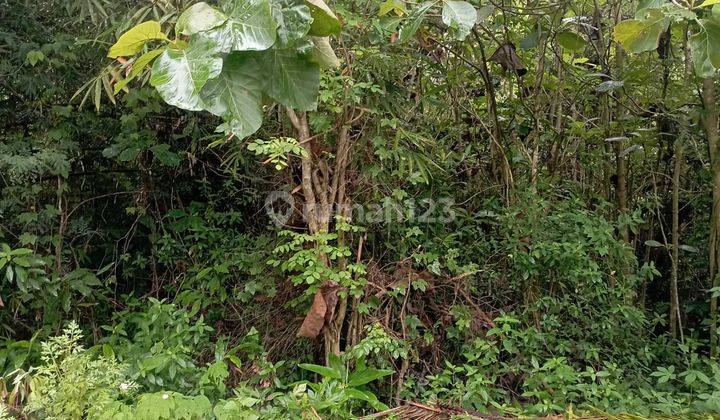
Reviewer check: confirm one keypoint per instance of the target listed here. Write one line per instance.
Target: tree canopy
(359, 209)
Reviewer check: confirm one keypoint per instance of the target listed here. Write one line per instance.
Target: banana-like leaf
(179, 75)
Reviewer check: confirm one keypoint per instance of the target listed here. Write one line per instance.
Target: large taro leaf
(325, 22)
(459, 15)
(236, 94)
(705, 47)
(640, 35)
(180, 74)
(132, 41)
(291, 79)
(293, 19)
(250, 27)
(199, 17)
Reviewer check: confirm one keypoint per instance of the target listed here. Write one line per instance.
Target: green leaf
(653, 244)
(413, 22)
(485, 11)
(34, 56)
(236, 95)
(250, 27)
(644, 5)
(132, 41)
(365, 396)
(368, 375)
(179, 75)
(325, 22)
(138, 67)
(199, 17)
(610, 86)
(705, 48)
(688, 248)
(707, 3)
(323, 371)
(459, 15)
(571, 41)
(293, 19)
(323, 53)
(397, 6)
(291, 79)
(638, 36)
(163, 153)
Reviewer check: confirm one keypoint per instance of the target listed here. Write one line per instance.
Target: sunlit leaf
(642, 35)
(132, 41)
(708, 3)
(199, 17)
(179, 75)
(459, 15)
(250, 27)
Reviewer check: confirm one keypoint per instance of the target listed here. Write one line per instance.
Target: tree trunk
(710, 125)
(675, 254)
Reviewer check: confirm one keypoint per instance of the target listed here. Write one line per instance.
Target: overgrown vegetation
(292, 209)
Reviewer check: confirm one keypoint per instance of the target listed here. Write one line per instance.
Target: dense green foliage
(291, 209)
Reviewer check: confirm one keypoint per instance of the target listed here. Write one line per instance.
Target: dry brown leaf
(508, 59)
(315, 318)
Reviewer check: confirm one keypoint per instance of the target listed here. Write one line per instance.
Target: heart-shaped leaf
(236, 94)
(179, 75)
(292, 79)
(705, 47)
(199, 17)
(459, 15)
(250, 27)
(640, 35)
(293, 18)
